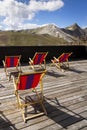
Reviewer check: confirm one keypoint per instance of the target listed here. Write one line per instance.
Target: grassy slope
(23, 38)
(27, 39)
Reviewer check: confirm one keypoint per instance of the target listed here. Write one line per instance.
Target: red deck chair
(38, 59)
(62, 61)
(29, 84)
(11, 64)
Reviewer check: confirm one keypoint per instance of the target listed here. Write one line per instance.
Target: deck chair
(30, 86)
(38, 59)
(11, 64)
(62, 61)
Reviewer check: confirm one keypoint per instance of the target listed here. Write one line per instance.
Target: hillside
(27, 39)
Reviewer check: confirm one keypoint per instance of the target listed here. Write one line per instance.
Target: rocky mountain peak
(73, 27)
(53, 30)
(74, 30)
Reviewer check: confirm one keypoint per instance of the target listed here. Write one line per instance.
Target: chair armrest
(31, 61)
(4, 63)
(56, 59)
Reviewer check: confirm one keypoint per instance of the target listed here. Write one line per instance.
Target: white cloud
(27, 26)
(15, 13)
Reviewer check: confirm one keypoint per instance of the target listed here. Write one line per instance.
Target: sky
(28, 14)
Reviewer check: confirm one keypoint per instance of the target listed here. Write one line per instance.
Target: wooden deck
(66, 101)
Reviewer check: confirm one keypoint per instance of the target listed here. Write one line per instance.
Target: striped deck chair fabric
(38, 59)
(62, 61)
(64, 57)
(30, 81)
(11, 62)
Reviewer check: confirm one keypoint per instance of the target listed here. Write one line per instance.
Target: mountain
(74, 30)
(52, 30)
(85, 30)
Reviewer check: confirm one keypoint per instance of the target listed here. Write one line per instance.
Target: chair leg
(45, 112)
(68, 64)
(6, 72)
(51, 64)
(24, 113)
(59, 66)
(25, 117)
(44, 64)
(25, 109)
(9, 77)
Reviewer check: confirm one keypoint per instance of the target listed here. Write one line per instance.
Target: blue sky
(24, 14)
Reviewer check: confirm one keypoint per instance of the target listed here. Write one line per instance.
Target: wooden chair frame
(62, 60)
(32, 61)
(27, 103)
(16, 66)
